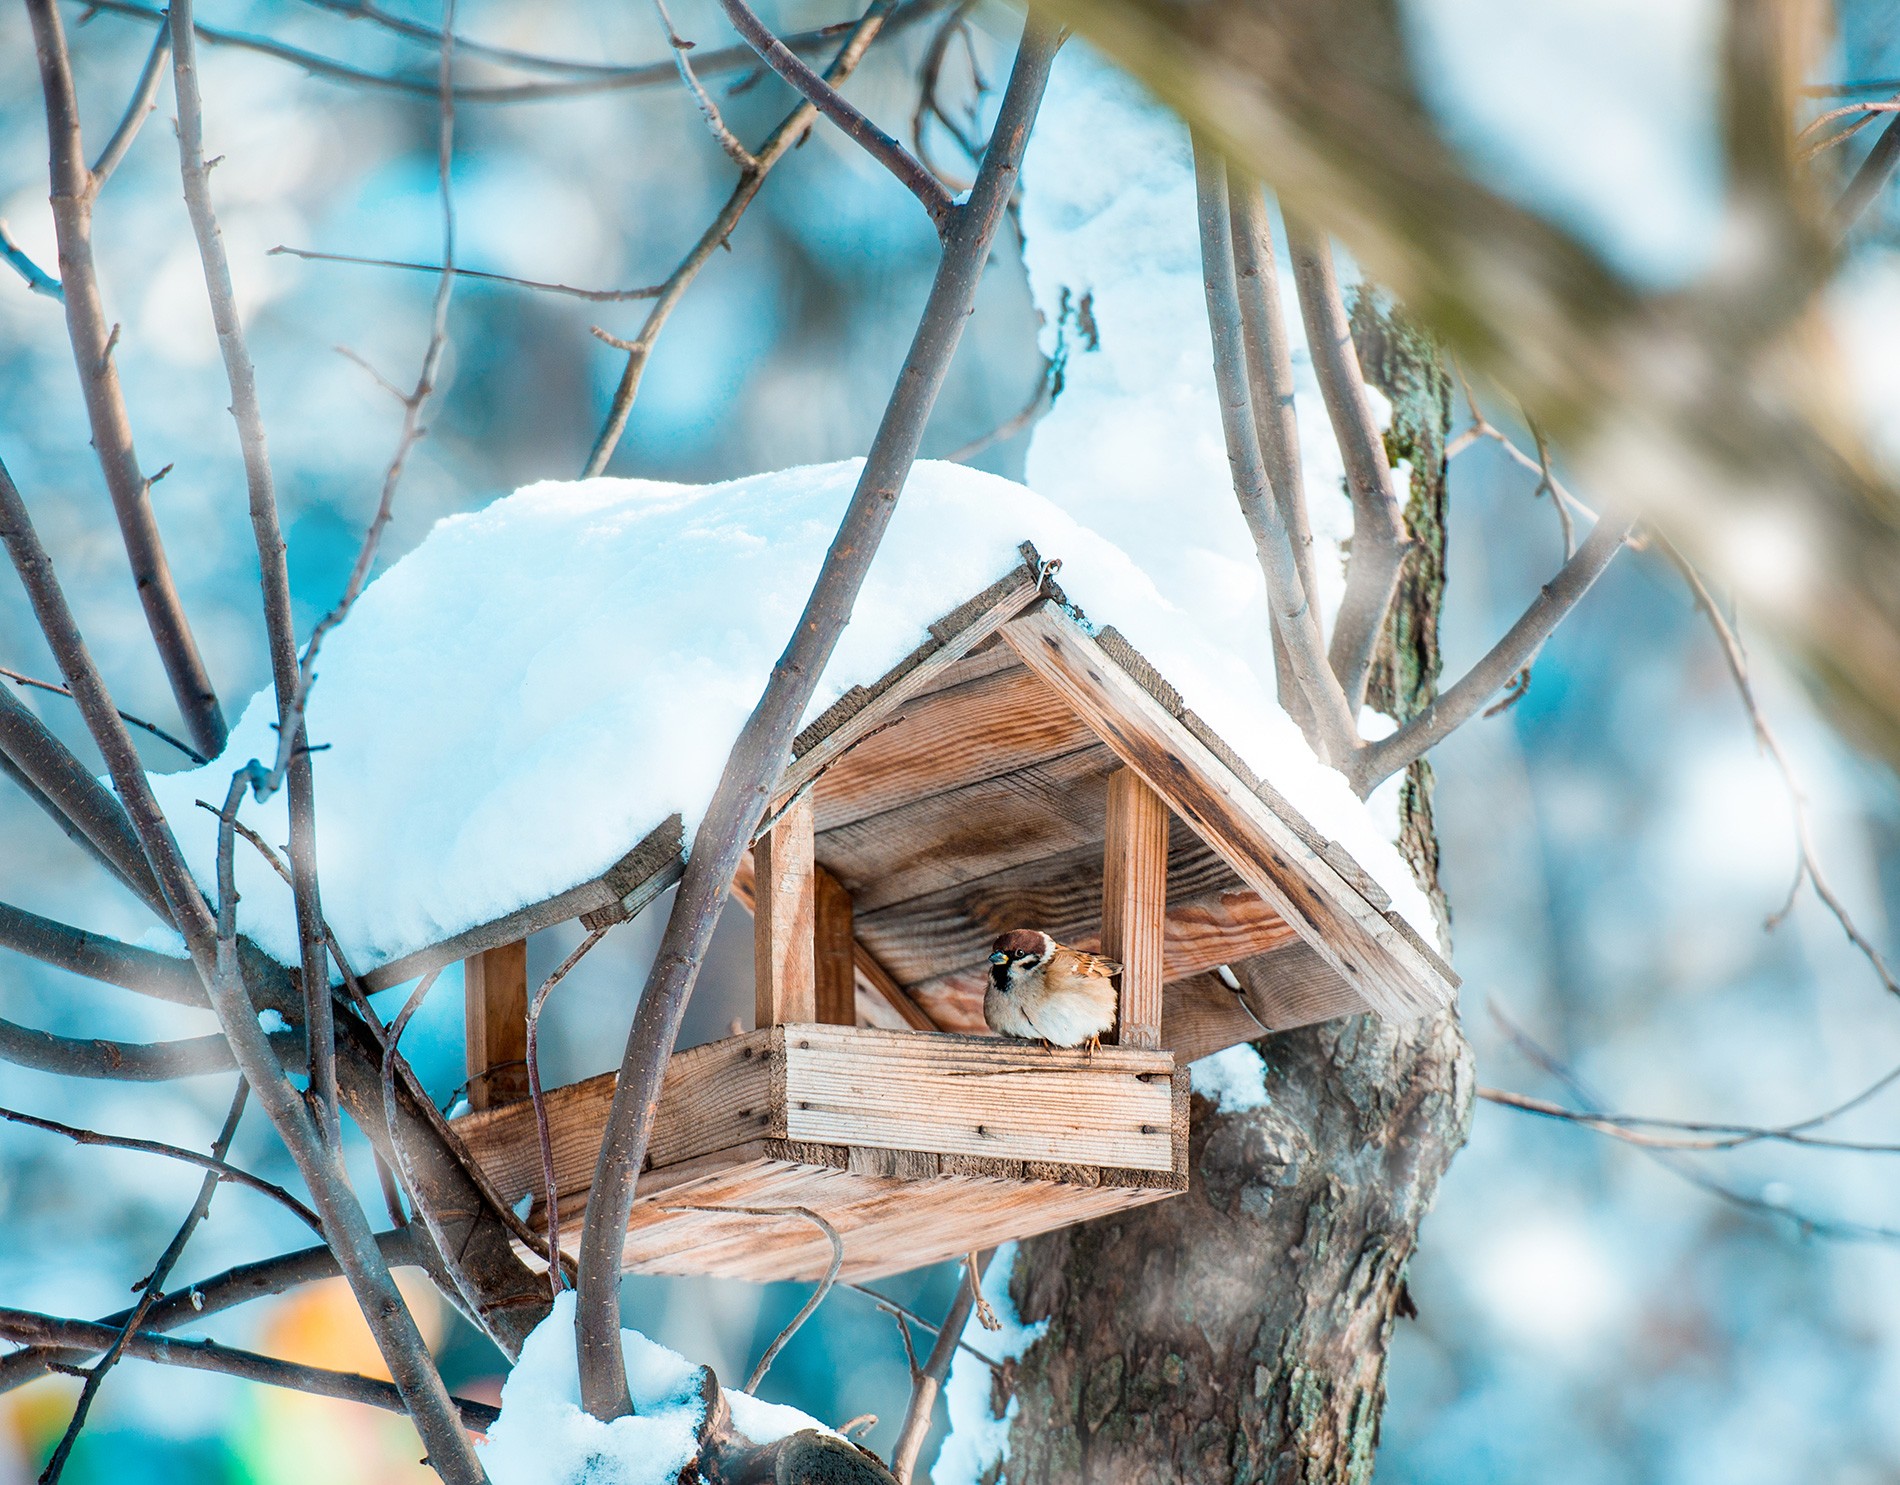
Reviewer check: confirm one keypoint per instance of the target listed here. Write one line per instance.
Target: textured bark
(1239, 1332)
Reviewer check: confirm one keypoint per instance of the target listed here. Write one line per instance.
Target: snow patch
(979, 1436)
(272, 1020)
(545, 1437)
(1235, 1078)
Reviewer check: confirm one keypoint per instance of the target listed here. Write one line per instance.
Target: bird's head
(1018, 954)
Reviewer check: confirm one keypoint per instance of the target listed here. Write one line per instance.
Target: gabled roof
(524, 717)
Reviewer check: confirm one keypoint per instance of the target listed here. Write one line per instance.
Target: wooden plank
(873, 979)
(856, 715)
(1134, 903)
(713, 1097)
(1293, 986)
(976, 1096)
(944, 740)
(622, 890)
(783, 924)
(1200, 1016)
(834, 970)
(1390, 972)
(495, 1011)
(942, 840)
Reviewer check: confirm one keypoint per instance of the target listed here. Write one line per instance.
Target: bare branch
(1269, 352)
(65, 787)
(1694, 1134)
(33, 683)
(1379, 539)
(759, 755)
(149, 1289)
(1460, 702)
(596, 296)
(892, 1307)
(927, 1382)
(210, 1163)
(909, 171)
(199, 1301)
(1334, 733)
(1011, 426)
(37, 278)
(1807, 857)
(73, 192)
(549, 1192)
(274, 570)
(98, 957)
(1681, 1165)
(137, 110)
(122, 1062)
(29, 1328)
(781, 140)
(220, 966)
(727, 140)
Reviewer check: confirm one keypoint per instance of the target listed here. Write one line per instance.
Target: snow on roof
(521, 699)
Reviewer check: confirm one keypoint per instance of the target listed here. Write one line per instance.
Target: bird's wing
(1094, 966)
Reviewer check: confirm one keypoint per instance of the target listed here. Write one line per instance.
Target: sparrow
(1043, 991)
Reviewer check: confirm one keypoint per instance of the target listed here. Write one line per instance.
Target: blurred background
(1613, 843)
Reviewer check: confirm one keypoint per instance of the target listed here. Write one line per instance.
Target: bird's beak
(999, 958)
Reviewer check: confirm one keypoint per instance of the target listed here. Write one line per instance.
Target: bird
(1041, 990)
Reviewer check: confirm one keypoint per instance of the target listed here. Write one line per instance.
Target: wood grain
(1384, 966)
(495, 1012)
(783, 926)
(834, 970)
(1293, 986)
(945, 740)
(1134, 903)
(978, 1096)
(1201, 1016)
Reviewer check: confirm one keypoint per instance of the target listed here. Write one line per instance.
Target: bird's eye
(999, 957)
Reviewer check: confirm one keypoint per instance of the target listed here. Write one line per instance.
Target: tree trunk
(1239, 1332)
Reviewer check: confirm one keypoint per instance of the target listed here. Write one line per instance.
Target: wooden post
(496, 1003)
(835, 974)
(784, 919)
(1135, 902)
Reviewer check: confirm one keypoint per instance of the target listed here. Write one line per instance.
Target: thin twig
(18, 259)
(1038, 402)
(856, 125)
(74, 190)
(38, 1330)
(718, 233)
(158, 732)
(595, 296)
(1462, 701)
(137, 110)
(728, 141)
(539, 1100)
(1679, 1164)
(1807, 857)
(642, 75)
(1692, 1134)
(150, 1288)
(927, 1383)
(892, 1307)
(218, 1167)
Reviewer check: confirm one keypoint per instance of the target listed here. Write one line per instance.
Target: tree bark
(1239, 1332)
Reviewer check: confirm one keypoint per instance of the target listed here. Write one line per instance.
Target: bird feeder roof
(523, 720)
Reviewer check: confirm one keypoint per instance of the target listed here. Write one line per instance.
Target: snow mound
(1235, 1078)
(545, 1437)
(514, 704)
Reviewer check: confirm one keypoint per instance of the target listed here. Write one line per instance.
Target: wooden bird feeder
(1015, 771)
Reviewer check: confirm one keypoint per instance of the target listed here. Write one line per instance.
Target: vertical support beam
(784, 919)
(835, 972)
(1135, 902)
(496, 1004)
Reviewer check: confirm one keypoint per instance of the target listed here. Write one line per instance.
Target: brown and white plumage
(1040, 990)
